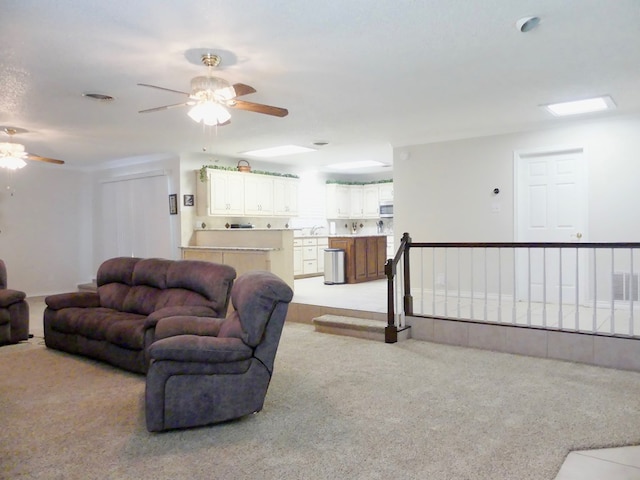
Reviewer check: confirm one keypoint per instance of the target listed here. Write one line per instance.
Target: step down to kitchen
(355, 327)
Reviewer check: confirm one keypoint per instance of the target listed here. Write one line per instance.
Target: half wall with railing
(588, 288)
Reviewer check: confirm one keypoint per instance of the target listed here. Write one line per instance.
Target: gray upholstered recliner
(208, 370)
(14, 312)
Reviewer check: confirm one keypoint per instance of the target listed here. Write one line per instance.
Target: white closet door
(135, 219)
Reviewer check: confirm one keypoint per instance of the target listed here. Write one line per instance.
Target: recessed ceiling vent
(526, 24)
(98, 96)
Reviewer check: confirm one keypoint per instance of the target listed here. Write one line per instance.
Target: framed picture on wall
(188, 200)
(173, 204)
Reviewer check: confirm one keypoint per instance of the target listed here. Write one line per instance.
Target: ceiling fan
(210, 95)
(13, 155)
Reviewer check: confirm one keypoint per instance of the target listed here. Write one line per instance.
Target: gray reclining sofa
(117, 323)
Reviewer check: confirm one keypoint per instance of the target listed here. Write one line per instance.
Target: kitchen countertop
(242, 249)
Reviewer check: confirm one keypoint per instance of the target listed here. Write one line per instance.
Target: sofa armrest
(187, 325)
(194, 348)
(9, 297)
(73, 299)
(178, 310)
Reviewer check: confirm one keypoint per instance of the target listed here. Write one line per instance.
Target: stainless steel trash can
(333, 266)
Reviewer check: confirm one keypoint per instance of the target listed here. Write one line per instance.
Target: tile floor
(603, 464)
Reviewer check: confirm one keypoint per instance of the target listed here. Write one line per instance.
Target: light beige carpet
(337, 408)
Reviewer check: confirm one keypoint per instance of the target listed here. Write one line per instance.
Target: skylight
(587, 105)
(355, 165)
(278, 151)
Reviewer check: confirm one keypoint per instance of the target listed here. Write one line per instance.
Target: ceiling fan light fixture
(212, 88)
(209, 113)
(11, 156)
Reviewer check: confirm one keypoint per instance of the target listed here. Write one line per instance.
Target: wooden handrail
(403, 252)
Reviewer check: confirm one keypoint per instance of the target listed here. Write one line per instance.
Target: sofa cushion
(112, 295)
(117, 270)
(211, 280)
(127, 333)
(151, 272)
(231, 328)
(91, 323)
(141, 299)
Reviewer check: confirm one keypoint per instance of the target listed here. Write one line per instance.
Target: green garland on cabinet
(342, 182)
(203, 172)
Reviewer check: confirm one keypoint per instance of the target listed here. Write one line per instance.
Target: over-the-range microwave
(386, 209)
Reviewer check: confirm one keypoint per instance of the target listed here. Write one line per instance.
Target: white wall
(45, 228)
(443, 191)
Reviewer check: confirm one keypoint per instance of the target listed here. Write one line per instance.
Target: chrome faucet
(314, 229)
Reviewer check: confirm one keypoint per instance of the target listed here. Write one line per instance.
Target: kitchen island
(364, 256)
(245, 250)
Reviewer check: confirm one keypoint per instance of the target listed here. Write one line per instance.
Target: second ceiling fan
(210, 95)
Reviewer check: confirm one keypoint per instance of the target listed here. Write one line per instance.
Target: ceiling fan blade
(162, 88)
(166, 107)
(242, 89)
(259, 108)
(38, 158)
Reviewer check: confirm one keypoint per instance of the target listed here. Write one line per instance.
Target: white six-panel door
(551, 206)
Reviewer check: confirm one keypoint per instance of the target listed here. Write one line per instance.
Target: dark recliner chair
(209, 370)
(14, 312)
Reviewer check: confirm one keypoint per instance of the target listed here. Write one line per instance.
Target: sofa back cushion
(255, 296)
(195, 282)
(149, 279)
(143, 286)
(114, 279)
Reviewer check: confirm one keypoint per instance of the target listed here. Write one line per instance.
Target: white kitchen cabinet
(370, 201)
(323, 242)
(308, 255)
(258, 195)
(225, 192)
(338, 201)
(385, 192)
(297, 256)
(355, 201)
(285, 197)
(230, 193)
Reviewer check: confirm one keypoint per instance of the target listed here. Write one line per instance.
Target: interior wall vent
(625, 287)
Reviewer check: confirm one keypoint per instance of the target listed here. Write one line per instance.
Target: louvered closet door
(135, 218)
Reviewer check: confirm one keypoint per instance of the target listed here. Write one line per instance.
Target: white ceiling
(363, 75)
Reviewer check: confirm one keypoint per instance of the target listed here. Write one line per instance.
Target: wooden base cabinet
(364, 257)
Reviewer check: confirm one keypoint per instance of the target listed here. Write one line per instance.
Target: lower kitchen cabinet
(308, 256)
(365, 256)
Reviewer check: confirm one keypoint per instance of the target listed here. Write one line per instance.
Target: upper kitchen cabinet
(370, 201)
(385, 192)
(258, 195)
(221, 194)
(338, 201)
(285, 197)
(357, 201)
(231, 193)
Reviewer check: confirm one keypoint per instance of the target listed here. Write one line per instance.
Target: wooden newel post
(408, 298)
(390, 331)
